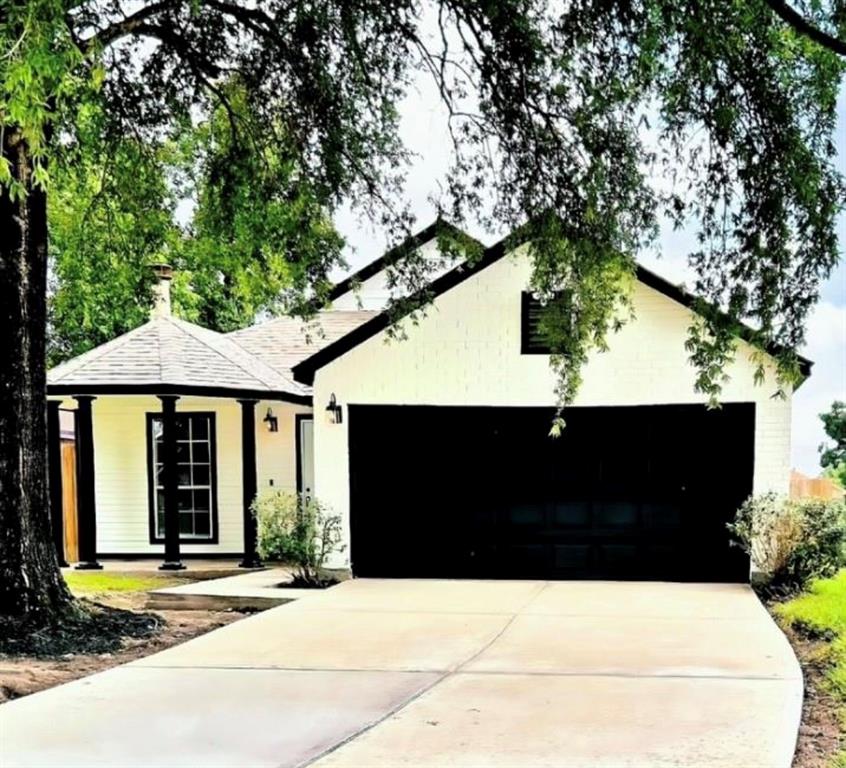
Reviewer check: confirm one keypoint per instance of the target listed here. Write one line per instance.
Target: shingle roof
(285, 341)
(170, 355)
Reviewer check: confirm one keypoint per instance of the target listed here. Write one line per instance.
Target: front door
(305, 455)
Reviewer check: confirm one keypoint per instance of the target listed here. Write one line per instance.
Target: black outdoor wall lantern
(334, 412)
(270, 421)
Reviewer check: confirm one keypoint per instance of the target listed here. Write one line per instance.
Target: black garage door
(624, 493)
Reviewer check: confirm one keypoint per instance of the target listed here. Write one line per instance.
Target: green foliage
(822, 609)
(110, 217)
(549, 108)
(791, 541)
(822, 549)
(258, 238)
(768, 529)
(85, 584)
(297, 529)
(833, 457)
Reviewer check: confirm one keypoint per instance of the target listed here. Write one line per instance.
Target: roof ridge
(268, 381)
(411, 242)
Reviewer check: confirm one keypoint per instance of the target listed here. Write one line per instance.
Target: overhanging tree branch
(796, 20)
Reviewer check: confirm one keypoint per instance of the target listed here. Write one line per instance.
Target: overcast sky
(424, 132)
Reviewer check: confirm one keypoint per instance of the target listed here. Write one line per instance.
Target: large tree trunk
(31, 585)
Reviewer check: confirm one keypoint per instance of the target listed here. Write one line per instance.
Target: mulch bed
(103, 636)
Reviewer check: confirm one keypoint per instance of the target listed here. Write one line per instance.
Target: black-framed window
(197, 476)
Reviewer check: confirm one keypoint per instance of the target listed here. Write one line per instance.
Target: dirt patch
(820, 735)
(22, 675)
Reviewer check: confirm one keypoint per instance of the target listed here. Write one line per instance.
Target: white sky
(423, 129)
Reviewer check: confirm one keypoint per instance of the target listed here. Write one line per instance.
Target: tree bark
(31, 585)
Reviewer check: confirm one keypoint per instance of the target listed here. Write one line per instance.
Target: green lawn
(84, 583)
(822, 609)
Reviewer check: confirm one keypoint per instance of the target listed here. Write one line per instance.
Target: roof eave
(304, 371)
(186, 390)
(392, 255)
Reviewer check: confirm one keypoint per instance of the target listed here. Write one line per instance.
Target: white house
(434, 449)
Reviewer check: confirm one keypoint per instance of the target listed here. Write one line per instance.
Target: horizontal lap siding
(276, 451)
(120, 445)
(121, 481)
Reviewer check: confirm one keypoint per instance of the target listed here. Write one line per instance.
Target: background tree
(247, 247)
(547, 107)
(110, 217)
(833, 457)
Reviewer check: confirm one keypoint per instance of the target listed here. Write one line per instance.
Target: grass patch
(820, 613)
(96, 582)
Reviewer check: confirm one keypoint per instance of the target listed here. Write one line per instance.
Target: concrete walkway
(440, 673)
(251, 589)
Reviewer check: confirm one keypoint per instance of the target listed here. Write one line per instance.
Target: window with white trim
(195, 470)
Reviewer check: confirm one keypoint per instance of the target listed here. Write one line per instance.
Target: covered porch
(177, 429)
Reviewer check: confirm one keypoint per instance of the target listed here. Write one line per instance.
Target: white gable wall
(467, 352)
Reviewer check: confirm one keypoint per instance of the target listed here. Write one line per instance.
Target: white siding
(467, 352)
(121, 481)
(276, 451)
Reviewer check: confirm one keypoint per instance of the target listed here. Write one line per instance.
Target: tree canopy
(548, 107)
(256, 239)
(582, 122)
(833, 456)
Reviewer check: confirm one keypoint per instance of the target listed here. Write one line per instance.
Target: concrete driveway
(443, 673)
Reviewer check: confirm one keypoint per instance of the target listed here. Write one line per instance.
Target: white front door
(305, 455)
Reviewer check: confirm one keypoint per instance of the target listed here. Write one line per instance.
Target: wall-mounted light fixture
(270, 421)
(334, 412)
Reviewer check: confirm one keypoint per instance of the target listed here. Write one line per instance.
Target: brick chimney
(161, 291)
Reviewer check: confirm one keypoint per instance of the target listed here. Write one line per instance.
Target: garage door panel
(484, 492)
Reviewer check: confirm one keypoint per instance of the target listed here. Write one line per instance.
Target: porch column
(86, 503)
(54, 467)
(249, 481)
(170, 481)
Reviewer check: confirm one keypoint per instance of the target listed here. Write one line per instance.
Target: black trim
(298, 419)
(175, 389)
(170, 483)
(304, 371)
(151, 479)
(249, 483)
(691, 301)
(396, 253)
(157, 555)
(86, 498)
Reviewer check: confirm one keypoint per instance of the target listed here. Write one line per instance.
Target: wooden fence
(804, 487)
(69, 501)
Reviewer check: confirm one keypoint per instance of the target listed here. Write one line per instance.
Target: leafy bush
(300, 530)
(791, 541)
(820, 552)
(768, 530)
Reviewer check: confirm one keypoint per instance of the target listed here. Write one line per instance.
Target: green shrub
(299, 530)
(819, 553)
(791, 541)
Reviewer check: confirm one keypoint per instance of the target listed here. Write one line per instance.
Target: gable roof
(170, 356)
(437, 228)
(304, 371)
